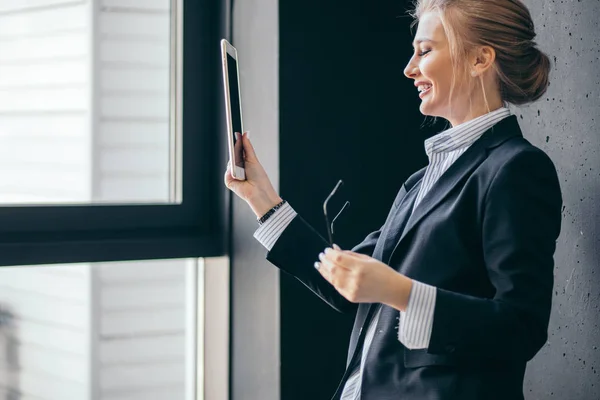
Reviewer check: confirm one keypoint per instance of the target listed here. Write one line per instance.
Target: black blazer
(484, 236)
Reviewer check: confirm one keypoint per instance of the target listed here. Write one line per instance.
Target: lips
(424, 90)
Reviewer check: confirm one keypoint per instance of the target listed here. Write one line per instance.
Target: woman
(453, 293)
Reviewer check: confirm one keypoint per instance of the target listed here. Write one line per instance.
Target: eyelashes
(421, 54)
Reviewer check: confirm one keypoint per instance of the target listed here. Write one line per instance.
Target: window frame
(193, 228)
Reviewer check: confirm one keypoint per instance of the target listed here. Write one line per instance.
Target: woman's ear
(483, 59)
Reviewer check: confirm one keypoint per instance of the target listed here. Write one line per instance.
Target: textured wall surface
(565, 123)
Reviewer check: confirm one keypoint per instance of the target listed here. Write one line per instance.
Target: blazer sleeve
(520, 225)
(296, 251)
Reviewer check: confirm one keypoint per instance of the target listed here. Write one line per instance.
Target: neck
(472, 114)
(477, 106)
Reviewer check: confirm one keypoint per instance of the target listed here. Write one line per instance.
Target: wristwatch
(265, 217)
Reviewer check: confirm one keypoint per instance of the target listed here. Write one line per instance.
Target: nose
(411, 70)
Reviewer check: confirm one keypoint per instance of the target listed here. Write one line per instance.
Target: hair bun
(505, 25)
(527, 87)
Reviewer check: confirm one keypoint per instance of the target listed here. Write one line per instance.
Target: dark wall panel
(346, 112)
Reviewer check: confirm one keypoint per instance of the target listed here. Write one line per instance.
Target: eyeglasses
(330, 225)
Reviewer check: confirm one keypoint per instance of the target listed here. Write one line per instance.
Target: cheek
(437, 70)
(427, 68)
(434, 71)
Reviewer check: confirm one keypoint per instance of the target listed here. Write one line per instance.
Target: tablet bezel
(228, 49)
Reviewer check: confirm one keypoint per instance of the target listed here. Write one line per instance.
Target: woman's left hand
(363, 279)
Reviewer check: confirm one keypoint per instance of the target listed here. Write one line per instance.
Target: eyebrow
(421, 40)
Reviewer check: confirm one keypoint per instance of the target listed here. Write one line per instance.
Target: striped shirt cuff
(268, 233)
(416, 322)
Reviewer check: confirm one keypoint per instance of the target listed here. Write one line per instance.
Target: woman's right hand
(257, 189)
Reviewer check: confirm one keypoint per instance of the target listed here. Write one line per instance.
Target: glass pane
(103, 331)
(87, 101)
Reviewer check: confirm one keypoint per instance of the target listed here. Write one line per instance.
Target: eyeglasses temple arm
(340, 183)
(336, 217)
(329, 233)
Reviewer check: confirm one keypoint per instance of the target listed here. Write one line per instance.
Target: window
(100, 330)
(85, 99)
(105, 154)
(111, 201)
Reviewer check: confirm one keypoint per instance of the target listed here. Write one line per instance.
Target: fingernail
(321, 255)
(335, 246)
(327, 250)
(317, 265)
(248, 134)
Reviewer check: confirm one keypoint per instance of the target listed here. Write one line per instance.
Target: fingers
(357, 255)
(342, 279)
(339, 257)
(248, 148)
(325, 272)
(351, 253)
(228, 179)
(331, 264)
(326, 268)
(337, 262)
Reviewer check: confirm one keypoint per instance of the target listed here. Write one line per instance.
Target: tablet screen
(236, 111)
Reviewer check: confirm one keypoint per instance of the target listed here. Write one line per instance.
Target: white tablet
(233, 108)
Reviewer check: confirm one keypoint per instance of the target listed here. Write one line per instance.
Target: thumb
(338, 248)
(230, 182)
(359, 255)
(248, 148)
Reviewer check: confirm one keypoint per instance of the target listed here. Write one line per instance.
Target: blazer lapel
(460, 170)
(401, 217)
(366, 311)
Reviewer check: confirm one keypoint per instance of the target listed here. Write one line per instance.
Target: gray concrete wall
(566, 124)
(255, 282)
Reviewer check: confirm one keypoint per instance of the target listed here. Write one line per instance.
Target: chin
(429, 109)
(426, 109)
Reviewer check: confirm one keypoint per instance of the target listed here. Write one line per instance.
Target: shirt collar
(465, 134)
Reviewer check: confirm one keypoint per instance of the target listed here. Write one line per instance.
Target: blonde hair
(522, 70)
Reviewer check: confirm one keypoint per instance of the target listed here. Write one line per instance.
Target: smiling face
(468, 64)
(446, 88)
(431, 68)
